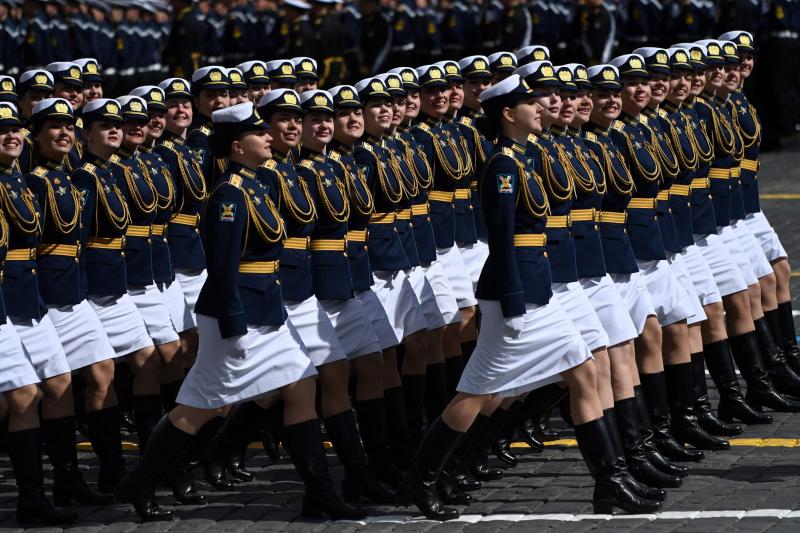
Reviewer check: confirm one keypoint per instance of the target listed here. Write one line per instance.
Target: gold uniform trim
(259, 267)
(420, 209)
(750, 164)
(186, 220)
(64, 250)
(557, 221)
(583, 215)
(404, 214)
(611, 217)
(530, 239)
(357, 235)
(441, 196)
(21, 254)
(106, 243)
(679, 190)
(462, 194)
(701, 183)
(663, 195)
(158, 229)
(719, 173)
(642, 203)
(736, 172)
(138, 231)
(328, 245)
(383, 218)
(297, 243)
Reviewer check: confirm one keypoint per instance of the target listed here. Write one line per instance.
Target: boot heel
(602, 508)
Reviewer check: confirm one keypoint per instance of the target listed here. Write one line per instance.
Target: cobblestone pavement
(754, 486)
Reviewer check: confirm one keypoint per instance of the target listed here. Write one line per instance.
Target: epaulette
(235, 180)
(368, 147)
(168, 145)
(533, 139)
(205, 130)
(79, 123)
(466, 121)
(334, 155)
(40, 171)
(643, 119)
(88, 167)
(270, 164)
(307, 163)
(114, 158)
(618, 125)
(25, 132)
(507, 151)
(424, 127)
(591, 136)
(662, 113)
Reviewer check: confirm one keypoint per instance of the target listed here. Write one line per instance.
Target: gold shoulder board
(307, 163)
(367, 147)
(88, 167)
(591, 136)
(424, 127)
(205, 130)
(643, 119)
(335, 156)
(618, 125)
(466, 121)
(662, 113)
(508, 151)
(114, 158)
(236, 180)
(167, 144)
(270, 164)
(40, 171)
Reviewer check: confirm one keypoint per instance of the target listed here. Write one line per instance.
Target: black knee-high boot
(610, 490)
(732, 405)
(533, 417)
(103, 427)
(169, 394)
(768, 331)
(638, 488)
(146, 413)
(358, 480)
(123, 385)
(33, 507)
(436, 396)
(500, 444)
(760, 392)
(648, 439)
(401, 444)
(234, 434)
(683, 422)
(419, 485)
(272, 430)
(702, 406)
(788, 336)
(68, 484)
(303, 441)
(414, 396)
(167, 451)
(454, 367)
(654, 389)
(372, 423)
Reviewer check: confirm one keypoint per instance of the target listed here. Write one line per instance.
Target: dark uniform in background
(330, 44)
(187, 42)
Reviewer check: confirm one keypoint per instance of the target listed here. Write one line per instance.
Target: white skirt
(81, 334)
(731, 241)
(426, 297)
(579, 309)
(474, 257)
(701, 275)
(610, 309)
(400, 303)
(682, 275)
(272, 360)
(191, 282)
(179, 312)
(636, 298)
(443, 292)
(722, 264)
(548, 345)
(377, 316)
(766, 235)
(122, 323)
(751, 247)
(16, 369)
(154, 311)
(351, 324)
(670, 299)
(458, 274)
(312, 330)
(42, 346)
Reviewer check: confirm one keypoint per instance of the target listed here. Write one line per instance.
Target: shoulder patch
(334, 156)
(271, 164)
(114, 158)
(205, 130)
(507, 151)
(533, 138)
(505, 183)
(643, 119)
(466, 121)
(167, 144)
(591, 136)
(662, 113)
(88, 167)
(424, 127)
(235, 180)
(227, 211)
(307, 163)
(618, 125)
(367, 147)
(40, 171)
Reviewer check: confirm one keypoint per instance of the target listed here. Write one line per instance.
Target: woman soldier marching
(526, 340)
(247, 349)
(19, 372)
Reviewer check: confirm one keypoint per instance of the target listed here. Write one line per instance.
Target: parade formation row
(468, 244)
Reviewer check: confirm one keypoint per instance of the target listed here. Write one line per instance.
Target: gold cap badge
(289, 98)
(320, 100)
(539, 55)
(61, 107)
(547, 70)
(215, 75)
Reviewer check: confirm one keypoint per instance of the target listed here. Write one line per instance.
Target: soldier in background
(11, 34)
(329, 42)
(596, 28)
(187, 41)
(517, 26)
(429, 37)
(376, 37)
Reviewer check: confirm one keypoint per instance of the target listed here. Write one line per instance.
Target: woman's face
(285, 129)
(179, 114)
(303, 86)
(569, 104)
(412, 104)
(92, 91)
(348, 125)
(550, 103)
(456, 100)
(527, 116)
(254, 146)
(435, 101)
(255, 92)
(134, 133)
(606, 106)
(73, 95)
(317, 129)
(748, 64)
(635, 95)
(238, 96)
(56, 139)
(473, 88)
(209, 100)
(583, 107)
(29, 100)
(398, 110)
(104, 134)
(378, 115)
(158, 121)
(680, 86)
(659, 87)
(733, 77)
(10, 143)
(715, 77)
(698, 82)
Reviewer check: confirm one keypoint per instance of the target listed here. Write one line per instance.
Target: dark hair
(489, 126)
(221, 144)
